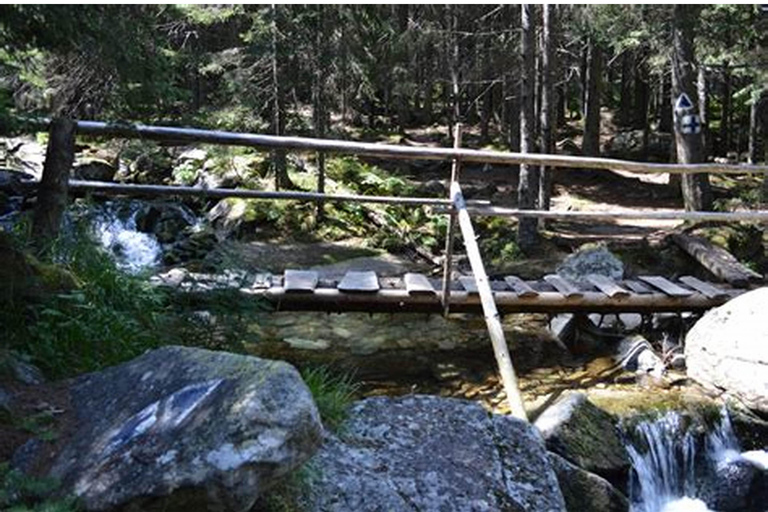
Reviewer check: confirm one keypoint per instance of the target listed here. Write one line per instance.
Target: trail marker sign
(690, 124)
(683, 103)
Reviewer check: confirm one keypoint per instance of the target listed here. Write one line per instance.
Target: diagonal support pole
(451, 231)
(492, 320)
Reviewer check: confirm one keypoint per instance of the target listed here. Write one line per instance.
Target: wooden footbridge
(309, 290)
(363, 290)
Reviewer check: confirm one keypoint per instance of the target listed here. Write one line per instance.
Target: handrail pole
(189, 135)
(450, 235)
(491, 313)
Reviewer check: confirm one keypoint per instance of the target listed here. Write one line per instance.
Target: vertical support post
(492, 320)
(52, 193)
(451, 231)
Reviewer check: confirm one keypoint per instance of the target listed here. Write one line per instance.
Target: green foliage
(333, 393)
(39, 424)
(366, 179)
(293, 494)
(108, 318)
(20, 493)
(497, 241)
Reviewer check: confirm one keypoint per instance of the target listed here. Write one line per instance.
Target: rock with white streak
(180, 426)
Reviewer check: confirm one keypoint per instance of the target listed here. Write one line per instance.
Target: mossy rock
(53, 278)
(587, 436)
(23, 276)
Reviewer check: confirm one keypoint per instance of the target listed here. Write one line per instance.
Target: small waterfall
(675, 465)
(115, 227)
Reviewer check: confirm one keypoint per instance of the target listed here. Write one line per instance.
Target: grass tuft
(333, 394)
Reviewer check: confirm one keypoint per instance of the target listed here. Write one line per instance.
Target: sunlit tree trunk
(725, 115)
(278, 102)
(546, 122)
(319, 96)
(527, 231)
(690, 148)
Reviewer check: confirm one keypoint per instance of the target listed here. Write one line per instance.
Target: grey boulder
(180, 426)
(591, 260)
(586, 492)
(727, 349)
(425, 454)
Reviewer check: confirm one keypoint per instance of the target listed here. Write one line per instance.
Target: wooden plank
(491, 313)
(637, 287)
(716, 259)
(300, 280)
(469, 284)
(562, 285)
(608, 286)
(707, 289)
(521, 288)
(359, 281)
(666, 286)
(418, 284)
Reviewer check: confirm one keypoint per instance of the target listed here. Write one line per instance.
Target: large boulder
(425, 453)
(585, 435)
(728, 349)
(584, 491)
(180, 426)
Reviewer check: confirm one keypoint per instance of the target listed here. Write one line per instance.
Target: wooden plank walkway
(365, 291)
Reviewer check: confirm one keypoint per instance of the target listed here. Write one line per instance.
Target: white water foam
(133, 250)
(666, 472)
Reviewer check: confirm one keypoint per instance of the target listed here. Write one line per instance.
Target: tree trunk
(278, 103)
(455, 55)
(665, 104)
(641, 97)
(701, 89)
(625, 103)
(591, 143)
(527, 234)
(562, 104)
(690, 149)
(752, 151)
(725, 117)
(583, 64)
(319, 99)
(52, 194)
(546, 121)
(487, 103)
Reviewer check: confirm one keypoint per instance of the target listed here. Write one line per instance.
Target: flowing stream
(116, 230)
(676, 466)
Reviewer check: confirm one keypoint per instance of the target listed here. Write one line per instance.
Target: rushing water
(669, 468)
(115, 227)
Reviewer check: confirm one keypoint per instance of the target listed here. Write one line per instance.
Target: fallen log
(717, 260)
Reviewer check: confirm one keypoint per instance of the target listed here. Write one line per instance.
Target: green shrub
(107, 318)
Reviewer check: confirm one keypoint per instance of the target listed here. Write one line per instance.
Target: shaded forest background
(306, 69)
